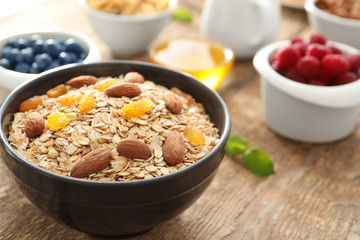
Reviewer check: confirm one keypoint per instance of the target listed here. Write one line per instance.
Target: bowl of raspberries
(25, 54)
(310, 88)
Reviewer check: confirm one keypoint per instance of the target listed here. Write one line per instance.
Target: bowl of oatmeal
(115, 147)
(338, 20)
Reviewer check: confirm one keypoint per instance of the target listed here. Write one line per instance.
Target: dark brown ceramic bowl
(114, 208)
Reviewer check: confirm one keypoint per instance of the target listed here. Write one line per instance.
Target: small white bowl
(303, 112)
(10, 79)
(128, 35)
(335, 28)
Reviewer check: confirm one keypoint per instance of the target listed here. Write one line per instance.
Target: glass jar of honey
(206, 60)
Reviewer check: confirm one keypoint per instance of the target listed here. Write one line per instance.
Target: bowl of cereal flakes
(113, 148)
(337, 20)
(128, 27)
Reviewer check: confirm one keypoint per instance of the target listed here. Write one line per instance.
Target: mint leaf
(235, 145)
(182, 14)
(258, 162)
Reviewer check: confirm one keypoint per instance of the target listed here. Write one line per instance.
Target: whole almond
(94, 161)
(133, 148)
(174, 148)
(173, 103)
(123, 89)
(80, 81)
(134, 77)
(34, 124)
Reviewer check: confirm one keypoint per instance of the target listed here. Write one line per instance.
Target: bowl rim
(93, 51)
(228, 52)
(340, 96)
(66, 179)
(128, 18)
(311, 8)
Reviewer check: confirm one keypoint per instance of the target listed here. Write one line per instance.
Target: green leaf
(182, 14)
(235, 145)
(258, 162)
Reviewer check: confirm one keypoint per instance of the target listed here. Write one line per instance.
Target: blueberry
(25, 55)
(11, 43)
(52, 47)
(38, 46)
(34, 68)
(12, 56)
(4, 62)
(72, 46)
(82, 56)
(43, 60)
(21, 43)
(22, 67)
(53, 64)
(65, 58)
(6, 52)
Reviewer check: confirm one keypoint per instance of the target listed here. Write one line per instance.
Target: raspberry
(297, 40)
(317, 50)
(317, 38)
(344, 78)
(354, 61)
(294, 74)
(334, 49)
(300, 47)
(335, 64)
(308, 66)
(323, 77)
(316, 82)
(287, 57)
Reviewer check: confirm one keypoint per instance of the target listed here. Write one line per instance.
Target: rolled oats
(103, 126)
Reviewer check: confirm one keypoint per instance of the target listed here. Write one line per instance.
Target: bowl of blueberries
(25, 54)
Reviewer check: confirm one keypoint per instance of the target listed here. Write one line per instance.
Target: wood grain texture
(313, 195)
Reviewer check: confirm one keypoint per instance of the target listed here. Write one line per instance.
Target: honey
(206, 60)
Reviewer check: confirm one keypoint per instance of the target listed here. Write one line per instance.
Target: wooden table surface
(313, 195)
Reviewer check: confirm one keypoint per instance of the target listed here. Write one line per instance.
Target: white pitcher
(243, 25)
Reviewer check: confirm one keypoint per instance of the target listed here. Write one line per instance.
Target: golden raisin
(57, 120)
(69, 98)
(104, 84)
(56, 91)
(30, 103)
(136, 109)
(86, 103)
(194, 135)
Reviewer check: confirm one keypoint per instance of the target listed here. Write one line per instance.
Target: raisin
(57, 120)
(86, 103)
(194, 135)
(57, 91)
(104, 84)
(136, 109)
(30, 103)
(69, 98)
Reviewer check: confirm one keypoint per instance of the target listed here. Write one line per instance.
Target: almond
(174, 148)
(188, 97)
(94, 161)
(34, 124)
(80, 81)
(134, 77)
(133, 148)
(173, 102)
(123, 89)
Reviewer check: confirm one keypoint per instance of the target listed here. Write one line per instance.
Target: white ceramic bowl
(303, 112)
(128, 35)
(10, 79)
(335, 28)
